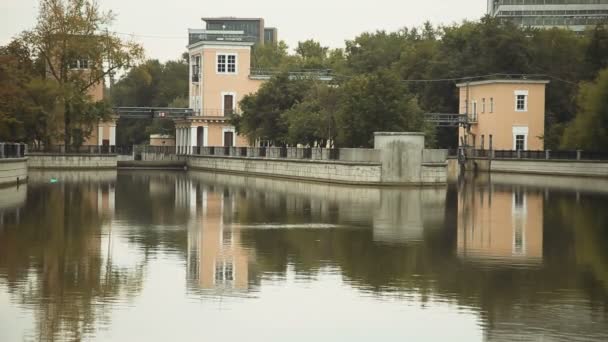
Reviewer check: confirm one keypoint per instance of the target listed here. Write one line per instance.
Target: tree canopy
(49, 73)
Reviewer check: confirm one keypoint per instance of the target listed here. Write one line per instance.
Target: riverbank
(574, 168)
(13, 171)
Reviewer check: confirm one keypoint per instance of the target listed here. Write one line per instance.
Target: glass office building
(576, 15)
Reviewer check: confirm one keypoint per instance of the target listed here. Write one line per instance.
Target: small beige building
(162, 140)
(503, 114)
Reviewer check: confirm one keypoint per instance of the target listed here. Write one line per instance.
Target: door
(228, 139)
(200, 136)
(228, 104)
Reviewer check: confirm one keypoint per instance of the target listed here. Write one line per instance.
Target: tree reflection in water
(56, 262)
(529, 259)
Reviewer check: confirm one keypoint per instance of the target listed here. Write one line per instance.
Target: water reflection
(495, 259)
(500, 224)
(52, 261)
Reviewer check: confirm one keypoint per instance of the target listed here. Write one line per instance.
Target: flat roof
(229, 19)
(521, 81)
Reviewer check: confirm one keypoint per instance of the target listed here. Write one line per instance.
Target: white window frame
(520, 130)
(523, 93)
(491, 105)
(233, 101)
(483, 105)
(229, 129)
(226, 72)
(223, 263)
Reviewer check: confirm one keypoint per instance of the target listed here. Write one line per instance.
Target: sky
(161, 26)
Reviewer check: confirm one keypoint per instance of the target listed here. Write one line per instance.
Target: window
(521, 103)
(81, 63)
(474, 116)
(226, 63)
(482, 141)
(490, 146)
(521, 100)
(196, 68)
(491, 105)
(224, 272)
(520, 142)
(483, 105)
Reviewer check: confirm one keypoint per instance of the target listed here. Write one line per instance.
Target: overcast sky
(329, 21)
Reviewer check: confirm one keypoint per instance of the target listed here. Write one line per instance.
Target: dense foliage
(151, 84)
(48, 74)
(443, 54)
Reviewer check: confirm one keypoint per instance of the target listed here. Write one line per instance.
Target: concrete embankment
(72, 161)
(577, 168)
(317, 170)
(13, 171)
(153, 164)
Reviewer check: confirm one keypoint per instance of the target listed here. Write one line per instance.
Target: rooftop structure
(252, 28)
(576, 15)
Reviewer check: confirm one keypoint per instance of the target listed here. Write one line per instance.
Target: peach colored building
(162, 140)
(220, 77)
(500, 226)
(503, 114)
(104, 133)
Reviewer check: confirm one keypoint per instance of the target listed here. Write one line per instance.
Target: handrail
(12, 150)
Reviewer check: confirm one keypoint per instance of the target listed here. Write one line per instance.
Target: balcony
(196, 35)
(216, 112)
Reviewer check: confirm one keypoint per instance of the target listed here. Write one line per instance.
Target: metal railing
(219, 112)
(535, 154)
(313, 153)
(12, 150)
(62, 149)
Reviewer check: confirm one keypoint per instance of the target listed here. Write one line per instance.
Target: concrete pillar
(547, 154)
(578, 154)
(112, 135)
(1, 150)
(99, 135)
(193, 137)
(401, 156)
(176, 140)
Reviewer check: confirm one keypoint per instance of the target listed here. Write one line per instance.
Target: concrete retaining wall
(326, 171)
(552, 167)
(72, 161)
(13, 170)
(532, 166)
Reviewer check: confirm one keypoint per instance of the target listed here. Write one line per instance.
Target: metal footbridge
(152, 112)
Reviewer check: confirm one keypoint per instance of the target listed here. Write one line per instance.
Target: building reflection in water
(222, 208)
(217, 261)
(500, 224)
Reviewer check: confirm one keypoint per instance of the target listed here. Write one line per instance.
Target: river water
(162, 256)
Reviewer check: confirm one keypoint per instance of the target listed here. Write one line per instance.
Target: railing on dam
(12, 150)
(269, 152)
(571, 155)
(85, 149)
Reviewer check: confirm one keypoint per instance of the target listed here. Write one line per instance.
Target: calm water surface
(159, 256)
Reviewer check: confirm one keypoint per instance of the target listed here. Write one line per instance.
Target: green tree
(589, 130)
(262, 112)
(312, 121)
(270, 56)
(28, 101)
(68, 31)
(373, 103)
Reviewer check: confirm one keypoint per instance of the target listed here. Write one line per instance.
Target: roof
(503, 81)
(229, 19)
